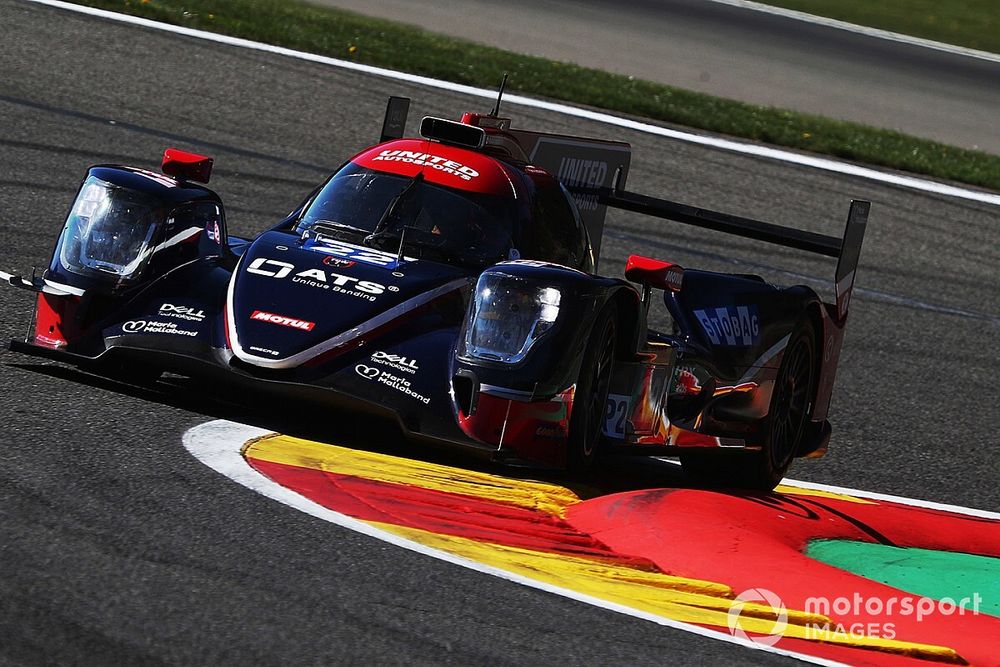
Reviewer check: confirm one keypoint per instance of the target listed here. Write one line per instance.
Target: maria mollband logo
(367, 371)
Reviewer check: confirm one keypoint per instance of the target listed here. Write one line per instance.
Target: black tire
(787, 418)
(592, 387)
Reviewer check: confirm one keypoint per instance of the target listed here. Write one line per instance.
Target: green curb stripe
(925, 572)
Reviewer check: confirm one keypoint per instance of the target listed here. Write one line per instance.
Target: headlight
(109, 231)
(508, 316)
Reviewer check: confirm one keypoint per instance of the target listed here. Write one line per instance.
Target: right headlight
(508, 315)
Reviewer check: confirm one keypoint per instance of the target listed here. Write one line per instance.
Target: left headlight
(507, 317)
(110, 231)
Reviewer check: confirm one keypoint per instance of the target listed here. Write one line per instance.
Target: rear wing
(846, 249)
(594, 172)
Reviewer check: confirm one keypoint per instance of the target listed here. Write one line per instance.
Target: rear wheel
(787, 418)
(591, 396)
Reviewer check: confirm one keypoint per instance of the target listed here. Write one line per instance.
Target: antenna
(503, 84)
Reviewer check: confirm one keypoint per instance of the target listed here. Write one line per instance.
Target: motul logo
(262, 316)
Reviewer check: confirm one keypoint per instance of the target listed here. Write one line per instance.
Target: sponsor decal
(153, 327)
(254, 348)
(367, 371)
(271, 318)
(686, 382)
(730, 326)
(135, 326)
(319, 278)
(585, 174)
(674, 278)
(388, 379)
(338, 262)
(396, 361)
(182, 312)
(554, 432)
(428, 160)
(350, 254)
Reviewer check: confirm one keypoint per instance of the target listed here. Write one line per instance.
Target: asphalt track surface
(736, 53)
(119, 547)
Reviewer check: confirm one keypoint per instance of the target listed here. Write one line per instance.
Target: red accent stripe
(444, 513)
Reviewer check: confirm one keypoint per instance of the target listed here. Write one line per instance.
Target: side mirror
(186, 166)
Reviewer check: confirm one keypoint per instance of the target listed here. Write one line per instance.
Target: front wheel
(787, 418)
(591, 396)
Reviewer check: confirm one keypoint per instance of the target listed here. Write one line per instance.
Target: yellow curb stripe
(799, 491)
(677, 598)
(548, 498)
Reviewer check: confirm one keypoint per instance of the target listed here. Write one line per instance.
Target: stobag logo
(263, 316)
(319, 278)
(733, 327)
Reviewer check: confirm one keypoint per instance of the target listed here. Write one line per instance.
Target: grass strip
(974, 24)
(340, 34)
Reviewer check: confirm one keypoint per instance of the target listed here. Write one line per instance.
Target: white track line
(862, 30)
(900, 500)
(218, 444)
(824, 164)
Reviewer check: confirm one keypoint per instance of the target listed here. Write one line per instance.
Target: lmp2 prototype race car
(448, 282)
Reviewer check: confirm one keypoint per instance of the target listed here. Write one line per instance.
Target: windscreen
(109, 231)
(385, 210)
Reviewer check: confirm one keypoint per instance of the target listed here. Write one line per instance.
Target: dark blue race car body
(448, 282)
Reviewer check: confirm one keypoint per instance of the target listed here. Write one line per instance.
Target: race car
(448, 282)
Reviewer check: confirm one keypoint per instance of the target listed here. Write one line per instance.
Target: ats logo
(319, 278)
(262, 316)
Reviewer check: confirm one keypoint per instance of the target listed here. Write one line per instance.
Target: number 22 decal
(364, 255)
